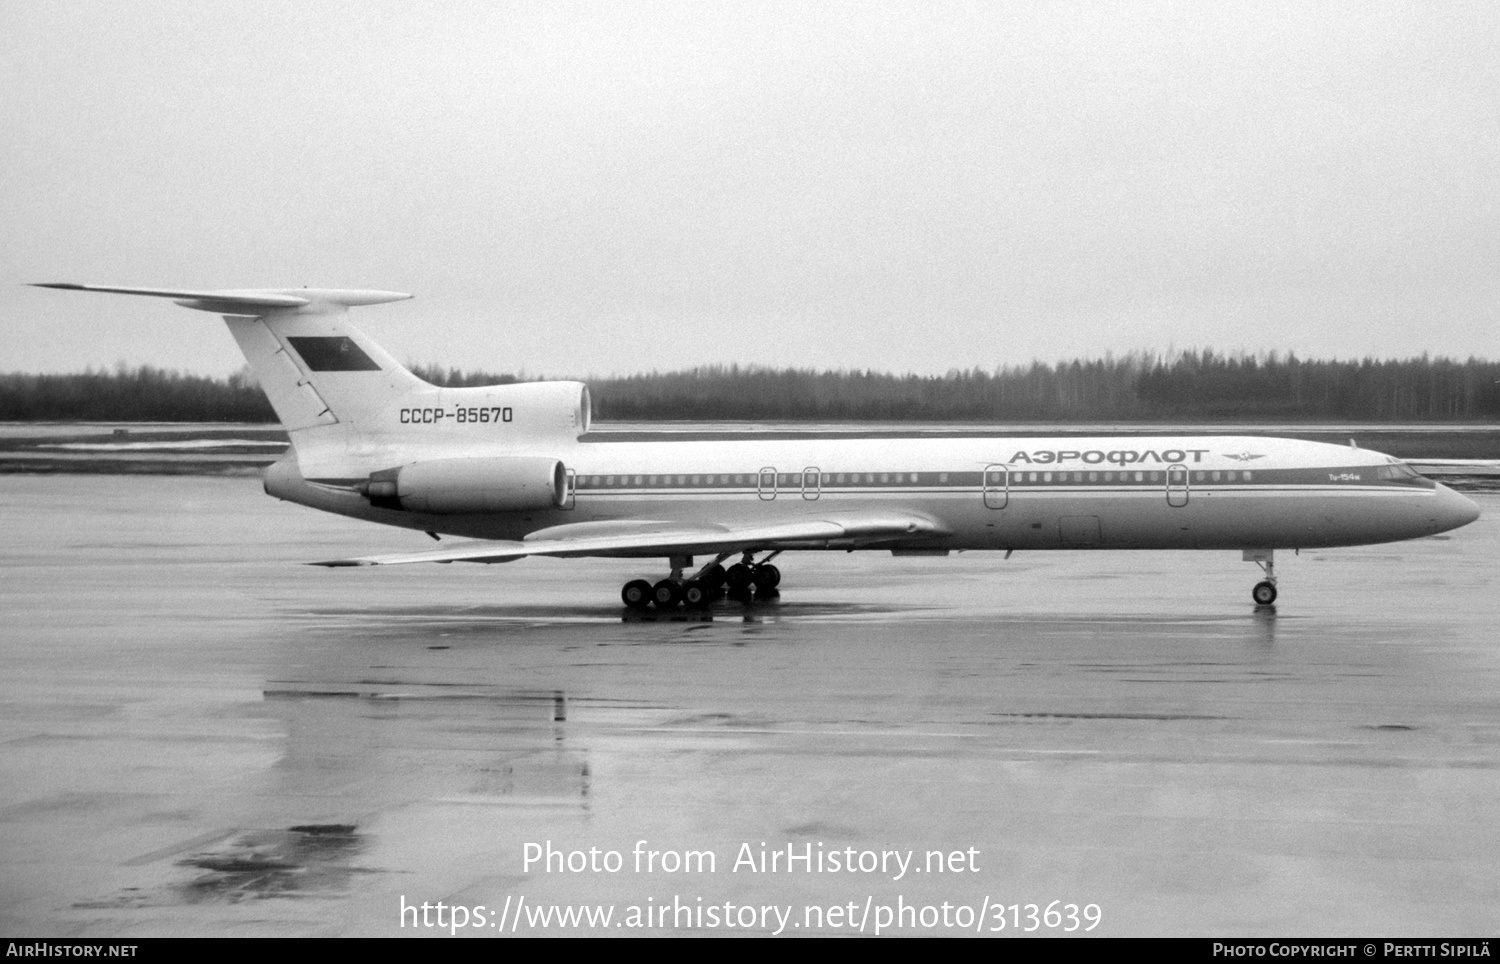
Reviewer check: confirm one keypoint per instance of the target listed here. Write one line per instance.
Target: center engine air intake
(454, 486)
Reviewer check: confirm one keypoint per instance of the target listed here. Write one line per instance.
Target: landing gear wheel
(696, 594)
(636, 594)
(766, 577)
(738, 577)
(666, 594)
(1264, 593)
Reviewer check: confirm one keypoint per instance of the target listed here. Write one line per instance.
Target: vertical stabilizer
(325, 378)
(317, 369)
(350, 408)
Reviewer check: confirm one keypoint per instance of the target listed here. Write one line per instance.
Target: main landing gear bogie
(743, 580)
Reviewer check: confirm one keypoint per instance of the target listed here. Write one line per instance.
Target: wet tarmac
(199, 736)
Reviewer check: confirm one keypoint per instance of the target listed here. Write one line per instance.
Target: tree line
(1196, 385)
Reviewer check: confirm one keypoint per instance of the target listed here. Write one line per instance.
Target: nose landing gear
(1264, 592)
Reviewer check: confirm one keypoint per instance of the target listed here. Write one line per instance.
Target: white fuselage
(1118, 492)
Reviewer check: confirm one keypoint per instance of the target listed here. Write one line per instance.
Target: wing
(636, 538)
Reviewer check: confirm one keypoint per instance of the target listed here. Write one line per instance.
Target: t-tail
(348, 406)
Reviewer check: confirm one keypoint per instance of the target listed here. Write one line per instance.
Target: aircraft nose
(1453, 510)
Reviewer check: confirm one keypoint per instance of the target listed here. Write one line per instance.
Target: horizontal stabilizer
(248, 300)
(836, 530)
(1482, 467)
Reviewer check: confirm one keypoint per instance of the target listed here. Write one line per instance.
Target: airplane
(516, 469)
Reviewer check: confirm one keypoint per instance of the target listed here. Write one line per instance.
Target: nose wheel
(1264, 592)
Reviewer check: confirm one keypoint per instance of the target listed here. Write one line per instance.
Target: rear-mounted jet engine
(459, 486)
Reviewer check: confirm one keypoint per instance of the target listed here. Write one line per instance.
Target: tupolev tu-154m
(516, 468)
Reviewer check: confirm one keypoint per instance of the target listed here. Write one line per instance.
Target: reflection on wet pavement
(308, 860)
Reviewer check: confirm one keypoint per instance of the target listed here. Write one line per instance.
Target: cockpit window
(1398, 471)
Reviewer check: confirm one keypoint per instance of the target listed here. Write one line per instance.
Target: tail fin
(315, 367)
(350, 408)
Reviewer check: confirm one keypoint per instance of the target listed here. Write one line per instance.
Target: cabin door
(1177, 486)
(996, 485)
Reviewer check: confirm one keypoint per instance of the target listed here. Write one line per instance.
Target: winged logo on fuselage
(1242, 456)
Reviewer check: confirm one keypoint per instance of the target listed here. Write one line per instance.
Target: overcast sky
(621, 186)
